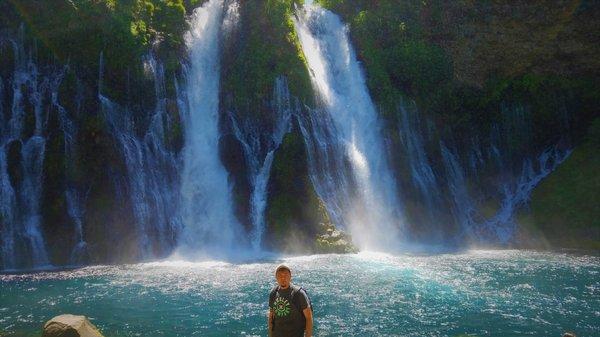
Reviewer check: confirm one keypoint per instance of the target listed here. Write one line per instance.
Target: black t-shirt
(288, 320)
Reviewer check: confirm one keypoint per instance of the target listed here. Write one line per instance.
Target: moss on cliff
(447, 54)
(294, 212)
(77, 31)
(486, 39)
(392, 39)
(265, 48)
(462, 60)
(564, 207)
(57, 226)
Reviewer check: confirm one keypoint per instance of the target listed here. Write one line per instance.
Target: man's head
(283, 274)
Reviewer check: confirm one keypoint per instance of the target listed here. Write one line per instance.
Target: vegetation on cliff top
(78, 31)
(420, 49)
(458, 60)
(265, 48)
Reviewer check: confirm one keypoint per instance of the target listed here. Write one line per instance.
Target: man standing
(290, 314)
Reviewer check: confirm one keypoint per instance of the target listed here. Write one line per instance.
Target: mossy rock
(293, 210)
(267, 47)
(333, 240)
(297, 219)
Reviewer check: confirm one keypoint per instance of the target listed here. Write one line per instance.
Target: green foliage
(294, 209)
(331, 240)
(407, 49)
(556, 102)
(77, 31)
(267, 48)
(392, 40)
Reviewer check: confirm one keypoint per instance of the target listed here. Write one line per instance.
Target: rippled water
(481, 293)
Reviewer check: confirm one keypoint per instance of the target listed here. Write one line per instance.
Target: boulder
(70, 326)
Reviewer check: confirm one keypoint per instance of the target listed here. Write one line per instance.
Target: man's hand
(270, 322)
(308, 330)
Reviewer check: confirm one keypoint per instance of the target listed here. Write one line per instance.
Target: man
(290, 314)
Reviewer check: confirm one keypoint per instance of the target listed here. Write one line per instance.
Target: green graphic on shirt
(281, 307)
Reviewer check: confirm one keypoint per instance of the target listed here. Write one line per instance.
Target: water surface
(482, 293)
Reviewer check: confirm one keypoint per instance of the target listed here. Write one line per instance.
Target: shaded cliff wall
(512, 80)
(105, 60)
(263, 49)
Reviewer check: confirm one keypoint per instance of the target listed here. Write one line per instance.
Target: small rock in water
(70, 326)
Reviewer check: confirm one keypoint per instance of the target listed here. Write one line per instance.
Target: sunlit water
(482, 293)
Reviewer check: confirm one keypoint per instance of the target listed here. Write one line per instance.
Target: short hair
(283, 267)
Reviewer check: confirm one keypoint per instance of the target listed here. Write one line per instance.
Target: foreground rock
(70, 326)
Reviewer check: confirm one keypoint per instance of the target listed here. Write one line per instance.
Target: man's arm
(308, 330)
(270, 322)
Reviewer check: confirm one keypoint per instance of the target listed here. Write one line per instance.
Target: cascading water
(421, 171)
(21, 175)
(259, 150)
(327, 163)
(502, 225)
(75, 211)
(151, 169)
(74, 196)
(373, 214)
(206, 196)
(514, 189)
(464, 210)
(348, 163)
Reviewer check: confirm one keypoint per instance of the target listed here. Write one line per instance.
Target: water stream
(350, 130)
(206, 195)
(259, 149)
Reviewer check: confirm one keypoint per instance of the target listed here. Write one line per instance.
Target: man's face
(284, 277)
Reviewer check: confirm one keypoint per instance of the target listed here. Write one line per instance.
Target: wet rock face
(70, 326)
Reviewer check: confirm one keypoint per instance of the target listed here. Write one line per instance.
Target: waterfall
(464, 210)
(206, 195)
(74, 196)
(151, 169)
(22, 146)
(515, 191)
(74, 208)
(350, 168)
(422, 174)
(259, 149)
